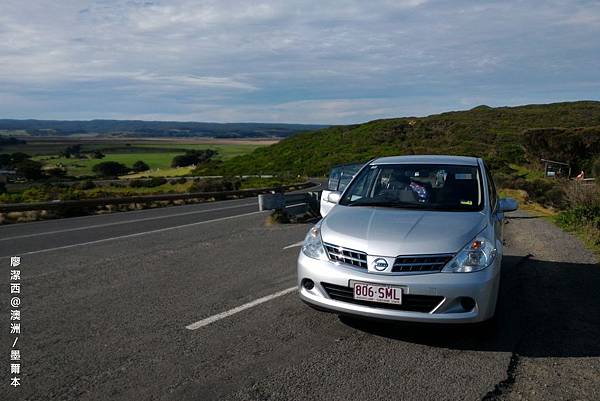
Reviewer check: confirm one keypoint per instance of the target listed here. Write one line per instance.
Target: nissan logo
(380, 264)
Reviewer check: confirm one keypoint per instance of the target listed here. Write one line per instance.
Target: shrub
(596, 170)
(56, 172)
(215, 185)
(140, 166)
(18, 157)
(29, 169)
(85, 185)
(110, 169)
(193, 157)
(151, 183)
(579, 216)
(581, 194)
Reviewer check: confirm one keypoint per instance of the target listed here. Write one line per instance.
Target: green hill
(501, 135)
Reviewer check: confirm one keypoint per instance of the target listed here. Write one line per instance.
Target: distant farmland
(157, 153)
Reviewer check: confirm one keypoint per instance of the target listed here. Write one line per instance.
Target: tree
(98, 155)
(140, 166)
(110, 169)
(192, 157)
(18, 157)
(29, 169)
(5, 160)
(69, 151)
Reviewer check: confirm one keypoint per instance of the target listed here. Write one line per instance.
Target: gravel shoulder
(557, 354)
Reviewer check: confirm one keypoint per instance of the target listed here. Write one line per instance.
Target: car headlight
(313, 245)
(476, 255)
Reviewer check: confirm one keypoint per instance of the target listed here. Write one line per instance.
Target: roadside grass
(526, 204)
(588, 233)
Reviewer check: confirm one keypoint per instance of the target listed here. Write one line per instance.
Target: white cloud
(297, 60)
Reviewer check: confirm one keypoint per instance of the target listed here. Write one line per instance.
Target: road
(108, 302)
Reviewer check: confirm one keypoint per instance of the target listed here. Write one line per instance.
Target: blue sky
(305, 61)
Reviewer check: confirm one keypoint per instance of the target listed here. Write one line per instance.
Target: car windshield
(417, 186)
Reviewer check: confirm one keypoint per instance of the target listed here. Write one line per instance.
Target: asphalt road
(106, 301)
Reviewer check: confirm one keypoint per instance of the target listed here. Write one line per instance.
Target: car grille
(345, 255)
(421, 263)
(410, 302)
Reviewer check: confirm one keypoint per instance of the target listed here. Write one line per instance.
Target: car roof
(427, 159)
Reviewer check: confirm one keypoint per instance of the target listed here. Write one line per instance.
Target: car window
(426, 186)
(334, 179)
(340, 176)
(491, 190)
(347, 173)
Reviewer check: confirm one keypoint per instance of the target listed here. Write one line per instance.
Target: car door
(497, 217)
(339, 178)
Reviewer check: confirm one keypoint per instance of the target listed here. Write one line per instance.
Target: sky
(304, 61)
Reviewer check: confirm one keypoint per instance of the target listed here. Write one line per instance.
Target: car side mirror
(508, 205)
(334, 197)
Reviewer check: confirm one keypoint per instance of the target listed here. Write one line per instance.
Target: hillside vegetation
(502, 135)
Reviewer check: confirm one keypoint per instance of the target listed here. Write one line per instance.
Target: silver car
(413, 238)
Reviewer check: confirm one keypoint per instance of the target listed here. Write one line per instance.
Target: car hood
(391, 232)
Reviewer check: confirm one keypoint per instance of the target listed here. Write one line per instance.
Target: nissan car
(410, 238)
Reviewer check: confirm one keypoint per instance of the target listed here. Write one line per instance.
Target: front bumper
(450, 288)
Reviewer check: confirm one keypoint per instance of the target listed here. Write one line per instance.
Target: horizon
(291, 62)
(288, 123)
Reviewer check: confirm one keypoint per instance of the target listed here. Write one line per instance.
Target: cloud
(306, 60)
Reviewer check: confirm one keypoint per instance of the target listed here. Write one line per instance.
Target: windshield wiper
(402, 205)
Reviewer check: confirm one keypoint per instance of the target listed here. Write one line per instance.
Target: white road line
(223, 315)
(299, 243)
(99, 241)
(122, 222)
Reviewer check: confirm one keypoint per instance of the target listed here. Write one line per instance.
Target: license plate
(377, 293)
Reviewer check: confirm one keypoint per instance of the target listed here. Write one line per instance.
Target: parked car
(414, 238)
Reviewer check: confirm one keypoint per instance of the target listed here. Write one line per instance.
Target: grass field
(79, 167)
(158, 154)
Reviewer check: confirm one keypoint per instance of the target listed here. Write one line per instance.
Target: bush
(140, 166)
(110, 169)
(98, 155)
(56, 172)
(85, 185)
(29, 169)
(580, 215)
(581, 194)
(596, 170)
(18, 157)
(215, 185)
(193, 157)
(151, 183)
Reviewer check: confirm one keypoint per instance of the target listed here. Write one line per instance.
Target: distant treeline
(136, 128)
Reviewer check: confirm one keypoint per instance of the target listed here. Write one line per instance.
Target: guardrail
(293, 204)
(53, 205)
